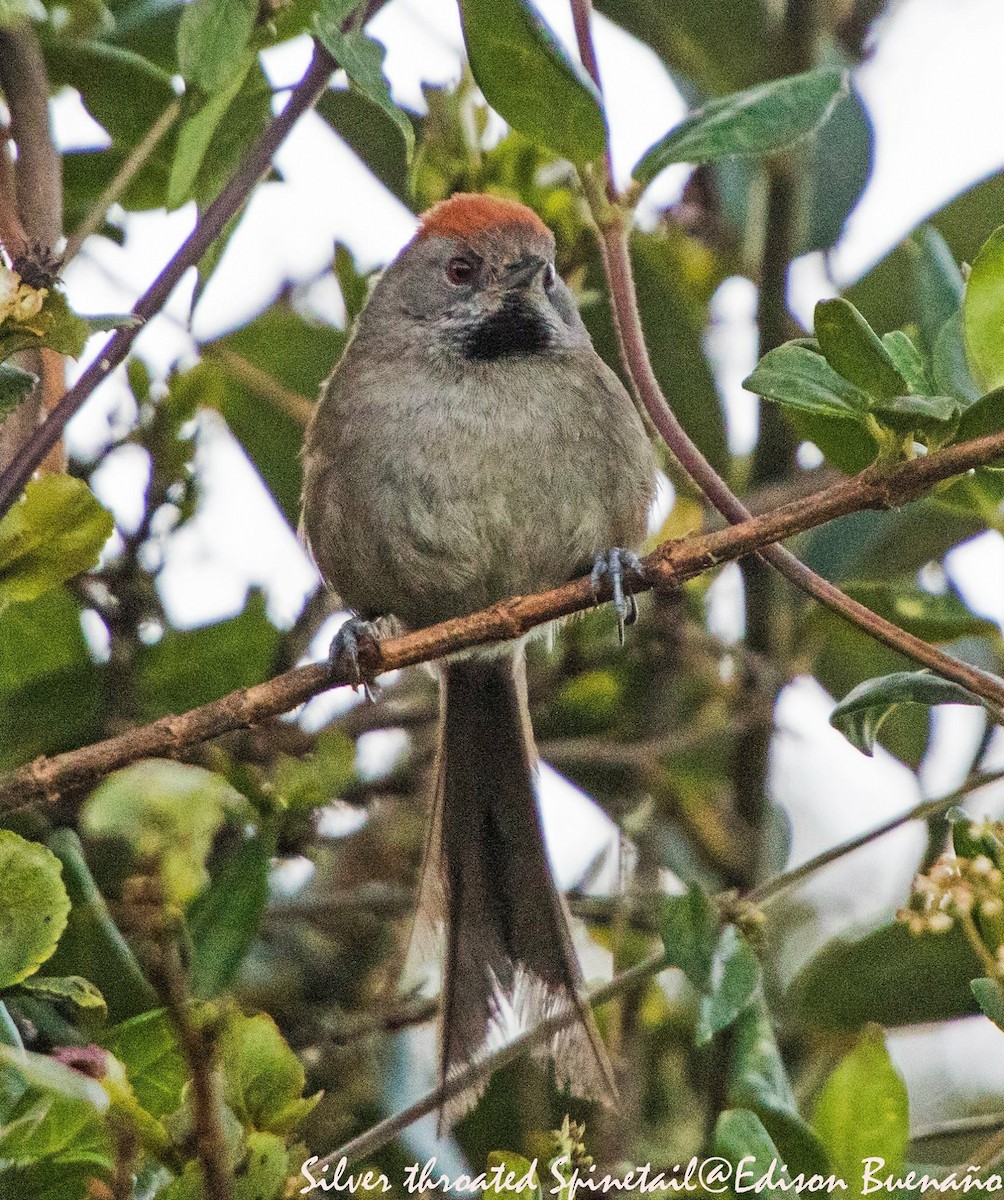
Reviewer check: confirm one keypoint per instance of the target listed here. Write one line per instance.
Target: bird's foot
(356, 640)
(618, 564)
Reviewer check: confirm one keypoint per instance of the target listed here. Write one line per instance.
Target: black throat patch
(514, 329)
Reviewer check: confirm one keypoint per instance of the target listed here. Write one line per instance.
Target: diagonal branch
(612, 219)
(667, 566)
(209, 226)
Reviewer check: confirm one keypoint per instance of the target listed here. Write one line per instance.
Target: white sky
(935, 90)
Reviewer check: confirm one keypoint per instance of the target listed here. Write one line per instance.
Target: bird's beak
(522, 272)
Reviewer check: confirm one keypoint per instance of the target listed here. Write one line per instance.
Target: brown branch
(612, 221)
(31, 214)
(253, 166)
(38, 176)
(379, 1135)
(668, 566)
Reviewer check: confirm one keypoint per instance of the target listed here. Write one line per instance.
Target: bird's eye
(459, 270)
(549, 277)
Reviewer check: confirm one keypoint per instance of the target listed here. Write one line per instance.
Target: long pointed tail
(509, 960)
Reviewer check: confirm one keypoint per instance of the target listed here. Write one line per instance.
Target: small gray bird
(471, 445)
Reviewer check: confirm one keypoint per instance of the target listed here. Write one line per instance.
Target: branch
(31, 215)
(379, 1135)
(612, 221)
(667, 566)
(206, 230)
(38, 176)
(924, 811)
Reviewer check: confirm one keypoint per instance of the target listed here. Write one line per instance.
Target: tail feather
(486, 882)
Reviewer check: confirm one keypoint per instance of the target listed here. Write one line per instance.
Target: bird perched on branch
(471, 445)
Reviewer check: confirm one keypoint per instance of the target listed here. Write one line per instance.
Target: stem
(612, 222)
(921, 812)
(211, 224)
(123, 177)
(379, 1135)
(666, 567)
(210, 1140)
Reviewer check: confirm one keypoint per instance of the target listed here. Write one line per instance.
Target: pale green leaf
(33, 906)
(529, 80)
(746, 124)
(52, 534)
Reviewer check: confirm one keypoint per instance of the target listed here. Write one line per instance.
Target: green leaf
(797, 377)
(223, 920)
(362, 60)
(990, 996)
(853, 350)
(739, 1138)
(367, 129)
(147, 1047)
(922, 413)
(190, 667)
(758, 1081)
(9, 1032)
(983, 313)
(67, 332)
(213, 36)
(983, 417)
(733, 981)
(263, 1080)
(690, 932)
(52, 534)
(747, 124)
(518, 1177)
(92, 945)
(674, 281)
(298, 354)
(890, 977)
(842, 154)
(265, 1168)
(861, 712)
(103, 74)
(33, 906)
(908, 361)
(863, 1111)
(50, 1075)
(528, 79)
(937, 282)
(950, 364)
(15, 385)
(169, 813)
(54, 1132)
(71, 989)
(202, 117)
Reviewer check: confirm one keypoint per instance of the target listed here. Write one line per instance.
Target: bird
(469, 446)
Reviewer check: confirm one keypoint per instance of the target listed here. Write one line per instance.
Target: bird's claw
(617, 563)
(355, 638)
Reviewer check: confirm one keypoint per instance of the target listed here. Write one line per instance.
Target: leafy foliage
(232, 921)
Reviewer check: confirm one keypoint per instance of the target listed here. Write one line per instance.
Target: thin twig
(986, 1155)
(958, 1127)
(126, 173)
(379, 1135)
(668, 566)
(920, 812)
(252, 167)
(370, 1141)
(612, 220)
(293, 404)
